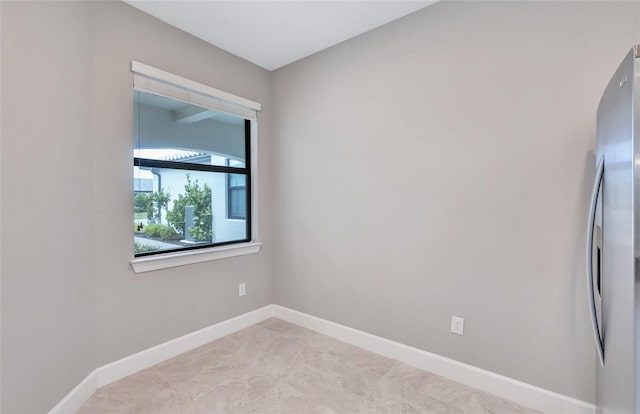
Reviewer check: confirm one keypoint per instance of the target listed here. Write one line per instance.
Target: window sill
(163, 261)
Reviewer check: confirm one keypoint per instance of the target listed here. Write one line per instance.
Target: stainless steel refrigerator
(613, 242)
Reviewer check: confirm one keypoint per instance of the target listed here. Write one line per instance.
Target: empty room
(323, 207)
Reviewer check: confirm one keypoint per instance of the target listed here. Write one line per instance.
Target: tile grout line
(177, 388)
(372, 387)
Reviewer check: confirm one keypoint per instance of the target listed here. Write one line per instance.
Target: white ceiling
(272, 34)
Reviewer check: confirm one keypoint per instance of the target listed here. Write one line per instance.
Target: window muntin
(181, 175)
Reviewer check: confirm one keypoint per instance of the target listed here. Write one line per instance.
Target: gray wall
(48, 287)
(70, 301)
(441, 165)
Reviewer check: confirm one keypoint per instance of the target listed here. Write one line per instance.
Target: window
(192, 167)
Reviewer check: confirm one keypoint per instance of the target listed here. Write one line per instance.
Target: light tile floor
(278, 367)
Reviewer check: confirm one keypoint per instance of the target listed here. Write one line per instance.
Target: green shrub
(142, 248)
(143, 203)
(150, 205)
(153, 230)
(167, 233)
(200, 199)
(161, 231)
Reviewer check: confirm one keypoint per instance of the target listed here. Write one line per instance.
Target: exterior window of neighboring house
(236, 194)
(192, 165)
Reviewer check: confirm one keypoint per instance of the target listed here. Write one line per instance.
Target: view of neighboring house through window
(191, 176)
(236, 194)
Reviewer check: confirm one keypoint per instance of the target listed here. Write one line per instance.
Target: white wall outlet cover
(242, 289)
(457, 325)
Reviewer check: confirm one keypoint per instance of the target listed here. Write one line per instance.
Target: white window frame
(156, 81)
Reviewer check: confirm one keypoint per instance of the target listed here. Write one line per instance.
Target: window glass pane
(175, 208)
(237, 180)
(237, 196)
(235, 163)
(237, 203)
(170, 130)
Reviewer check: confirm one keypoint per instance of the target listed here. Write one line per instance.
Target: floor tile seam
(423, 393)
(382, 377)
(109, 396)
(277, 334)
(346, 362)
(243, 379)
(182, 391)
(325, 378)
(374, 401)
(298, 342)
(450, 403)
(388, 370)
(251, 401)
(205, 395)
(363, 400)
(198, 368)
(371, 371)
(176, 384)
(328, 378)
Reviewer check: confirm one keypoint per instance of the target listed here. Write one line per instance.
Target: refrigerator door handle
(597, 186)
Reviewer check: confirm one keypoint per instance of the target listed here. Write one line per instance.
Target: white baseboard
(517, 391)
(149, 357)
(121, 368)
(77, 396)
(509, 388)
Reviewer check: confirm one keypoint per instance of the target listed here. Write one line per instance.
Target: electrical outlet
(242, 289)
(457, 325)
